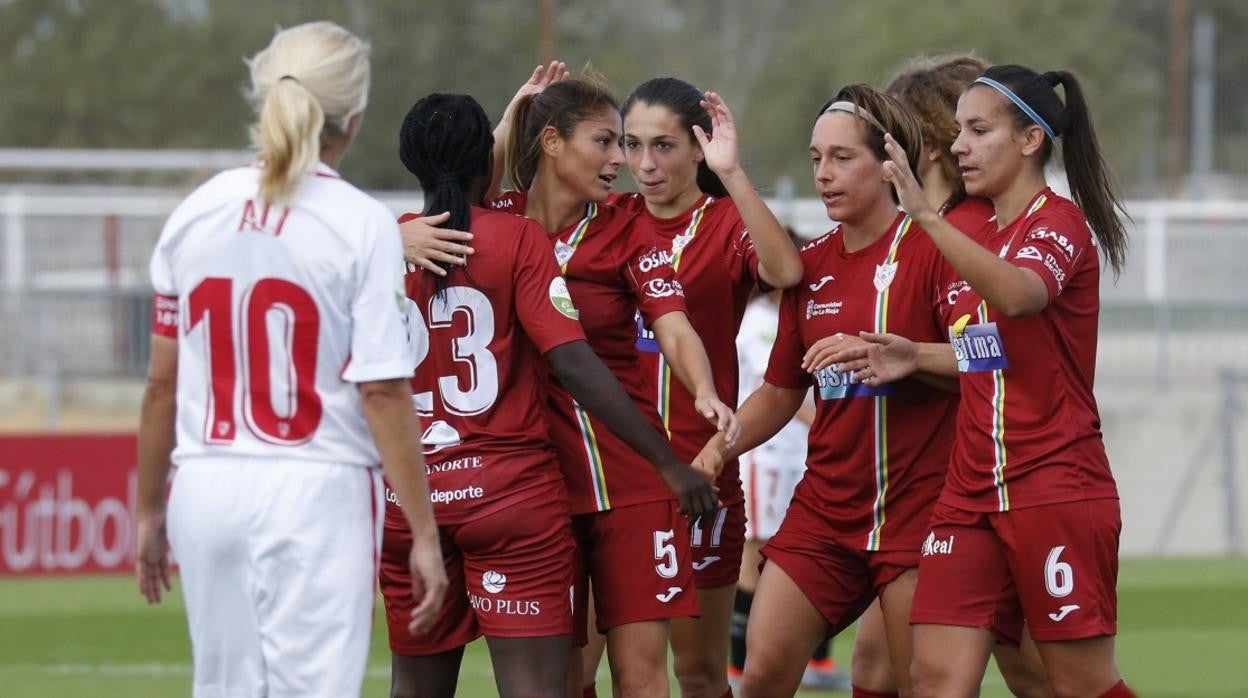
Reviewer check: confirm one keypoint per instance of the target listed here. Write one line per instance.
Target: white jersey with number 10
(279, 311)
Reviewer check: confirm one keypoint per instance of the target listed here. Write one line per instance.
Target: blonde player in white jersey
(278, 344)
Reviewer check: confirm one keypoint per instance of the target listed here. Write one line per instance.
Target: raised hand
(897, 171)
(543, 76)
(720, 146)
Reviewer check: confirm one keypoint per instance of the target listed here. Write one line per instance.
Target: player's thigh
(1022, 668)
(429, 676)
(315, 550)
(949, 660)
(637, 654)
(455, 624)
(530, 667)
(784, 629)
(896, 600)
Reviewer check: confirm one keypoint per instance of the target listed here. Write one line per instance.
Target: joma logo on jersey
(936, 546)
(1058, 239)
(654, 259)
(259, 223)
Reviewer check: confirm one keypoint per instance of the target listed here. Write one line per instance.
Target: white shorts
(768, 476)
(278, 563)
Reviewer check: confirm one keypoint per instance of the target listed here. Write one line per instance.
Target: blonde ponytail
(305, 88)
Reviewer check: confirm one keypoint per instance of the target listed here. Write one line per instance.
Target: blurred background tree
(169, 73)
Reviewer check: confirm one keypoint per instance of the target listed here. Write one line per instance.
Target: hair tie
(851, 108)
(446, 178)
(1018, 102)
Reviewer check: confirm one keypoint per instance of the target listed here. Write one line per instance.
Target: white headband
(851, 108)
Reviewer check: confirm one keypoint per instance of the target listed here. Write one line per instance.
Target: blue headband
(1018, 102)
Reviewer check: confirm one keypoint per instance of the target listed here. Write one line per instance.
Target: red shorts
(717, 547)
(840, 581)
(510, 574)
(638, 558)
(1055, 565)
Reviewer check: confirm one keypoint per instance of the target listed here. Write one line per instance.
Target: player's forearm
(387, 407)
(596, 389)
(765, 412)
(1014, 291)
(684, 352)
(778, 262)
(156, 441)
(936, 359)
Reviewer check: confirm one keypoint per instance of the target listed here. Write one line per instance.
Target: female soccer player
(499, 497)
(723, 242)
(1030, 505)
(564, 153)
(929, 86)
(876, 459)
(278, 329)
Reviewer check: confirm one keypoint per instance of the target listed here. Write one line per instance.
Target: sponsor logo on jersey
(833, 384)
(1059, 274)
(1066, 246)
(814, 309)
(446, 466)
(936, 546)
(460, 495)
(955, 289)
(646, 341)
(654, 259)
(439, 435)
(1063, 612)
(494, 582)
(561, 298)
(392, 498)
(1029, 252)
(823, 281)
(504, 607)
(667, 596)
(816, 242)
(662, 288)
(977, 348)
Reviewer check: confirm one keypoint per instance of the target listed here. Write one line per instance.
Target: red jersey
(486, 440)
(714, 260)
(877, 456)
(608, 261)
(1028, 428)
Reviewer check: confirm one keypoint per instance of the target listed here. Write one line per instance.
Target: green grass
(1183, 628)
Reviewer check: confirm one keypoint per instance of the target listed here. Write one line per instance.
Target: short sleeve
(1052, 247)
(379, 335)
(653, 285)
(542, 300)
(784, 368)
(742, 258)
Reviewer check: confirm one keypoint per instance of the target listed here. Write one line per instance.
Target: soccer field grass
(1183, 628)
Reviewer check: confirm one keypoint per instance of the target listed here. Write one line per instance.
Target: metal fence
(75, 293)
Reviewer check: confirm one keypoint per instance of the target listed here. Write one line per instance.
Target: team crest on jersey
(561, 298)
(680, 242)
(884, 275)
(563, 252)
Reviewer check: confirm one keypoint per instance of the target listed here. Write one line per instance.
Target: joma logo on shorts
(935, 546)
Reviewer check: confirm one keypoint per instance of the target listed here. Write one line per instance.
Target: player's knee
(930, 678)
(872, 667)
(700, 676)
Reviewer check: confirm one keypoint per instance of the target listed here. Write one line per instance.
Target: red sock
(1118, 690)
(590, 691)
(864, 693)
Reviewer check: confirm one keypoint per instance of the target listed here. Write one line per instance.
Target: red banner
(67, 504)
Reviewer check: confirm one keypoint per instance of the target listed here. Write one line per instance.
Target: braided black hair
(447, 142)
